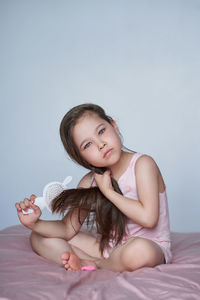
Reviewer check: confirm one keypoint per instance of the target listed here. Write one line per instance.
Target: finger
(27, 202)
(34, 207)
(18, 207)
(19, 213)
(22, 204)
(108, 172)
(96, 175)
(32, 198)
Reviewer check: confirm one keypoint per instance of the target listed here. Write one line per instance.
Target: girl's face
(97, 140)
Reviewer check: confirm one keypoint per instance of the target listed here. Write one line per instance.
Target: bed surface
(24, 275)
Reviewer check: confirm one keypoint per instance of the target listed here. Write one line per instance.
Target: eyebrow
(96, 129)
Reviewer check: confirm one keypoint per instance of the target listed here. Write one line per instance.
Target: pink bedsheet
(24, 275)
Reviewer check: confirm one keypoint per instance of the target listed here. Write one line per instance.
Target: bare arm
(145, 210)
(65, 228)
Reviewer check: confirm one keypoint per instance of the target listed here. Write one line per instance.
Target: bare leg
(50, 248)
(134, 254)
(53, 249)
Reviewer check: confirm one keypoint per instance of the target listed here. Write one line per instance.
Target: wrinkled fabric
(25, 275)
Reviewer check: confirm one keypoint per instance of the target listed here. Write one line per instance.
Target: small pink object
(88, 268)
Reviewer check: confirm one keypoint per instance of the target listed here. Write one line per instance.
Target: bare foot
(72, 262)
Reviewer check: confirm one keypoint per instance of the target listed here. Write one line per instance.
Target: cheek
(88, 154)
(117, 140)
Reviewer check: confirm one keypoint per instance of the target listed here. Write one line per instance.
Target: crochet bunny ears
(50, 191)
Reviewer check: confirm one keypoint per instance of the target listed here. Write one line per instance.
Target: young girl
(123, 194)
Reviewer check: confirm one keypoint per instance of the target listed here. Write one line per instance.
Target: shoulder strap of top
(135, 158)
(132, 165)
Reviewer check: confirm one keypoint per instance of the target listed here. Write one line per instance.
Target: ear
(114, 124)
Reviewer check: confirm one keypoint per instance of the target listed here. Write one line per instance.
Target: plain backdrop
(139, 60)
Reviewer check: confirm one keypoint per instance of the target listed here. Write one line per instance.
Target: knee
(33, 240)
(136, 255)
(38, 241)
(33, 236)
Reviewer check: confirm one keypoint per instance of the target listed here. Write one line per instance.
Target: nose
(101, 144)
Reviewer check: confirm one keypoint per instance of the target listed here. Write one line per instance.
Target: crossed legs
(83, 249)
(53, 248)
(134, 254)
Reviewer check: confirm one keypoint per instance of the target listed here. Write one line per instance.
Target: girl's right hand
(28, 220)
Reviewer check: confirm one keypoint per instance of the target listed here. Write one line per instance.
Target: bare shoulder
(145, 162)
(86, 181)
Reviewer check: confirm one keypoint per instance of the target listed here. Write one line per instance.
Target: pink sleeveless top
(161, 232)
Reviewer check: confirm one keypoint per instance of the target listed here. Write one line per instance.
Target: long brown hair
(110, 221)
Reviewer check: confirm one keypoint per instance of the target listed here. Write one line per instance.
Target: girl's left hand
(104, 182)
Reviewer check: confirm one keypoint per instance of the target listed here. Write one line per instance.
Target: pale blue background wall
(140, 60)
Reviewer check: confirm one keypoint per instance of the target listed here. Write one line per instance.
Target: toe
(65, 256)
(64, 261)
(66, 266)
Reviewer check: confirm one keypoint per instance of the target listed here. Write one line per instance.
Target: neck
(119, 168)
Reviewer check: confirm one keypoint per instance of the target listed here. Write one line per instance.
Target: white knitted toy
(50, 191)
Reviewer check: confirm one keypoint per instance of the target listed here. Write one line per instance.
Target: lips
(107, 153)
